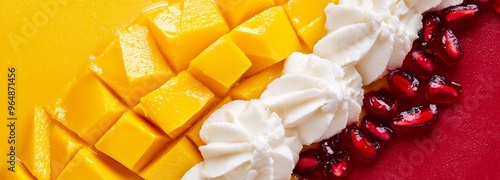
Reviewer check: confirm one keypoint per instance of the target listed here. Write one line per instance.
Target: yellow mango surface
(183, 30)
(194, 133)
(177, 104)
(308, 19)
(132, 65)
(220, 65)
(87, 107)
(21, 173)
(131, 141)
(174, 162)
(88, 165)
(266, 38)
(238, 11)
(252, 87)
(63, 147)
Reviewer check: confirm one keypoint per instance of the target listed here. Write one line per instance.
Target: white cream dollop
(244, 140)
(314, 97)
(373, 35)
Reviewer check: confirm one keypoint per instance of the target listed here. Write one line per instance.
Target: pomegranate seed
(442, 91)
(415, 118)
(403, 83)
(308, 162)
(362, 146)
(431, 25)
(330, 146)
(460, 16)
(482, 4)
(422, 63)
(496, 5)
(376, 129)
(451, 49)
(338, 166)
(380, 104)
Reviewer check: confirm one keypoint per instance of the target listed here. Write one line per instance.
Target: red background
(465, 143)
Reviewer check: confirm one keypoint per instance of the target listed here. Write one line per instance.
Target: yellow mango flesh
(174, 162)
(183, 30)
(308, 19)
(220, 65)
(252, 87)
(176, 105)
(266, 38)
(88, 165)
(132, 65)
(63, 147)
(132, 142)
(238, 11)
(87, 107)
(21, 172)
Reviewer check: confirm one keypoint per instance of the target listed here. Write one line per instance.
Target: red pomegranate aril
(380, 104)
(439, 90)
(432, 24)
(422, 63)
(338, 166)
(416, 118)
(496, 5)
(308, 162)
(373, 127)
(460, 16)
(360, 145)
(330, 146)
(403, 84)
(482, 4)
(451, 51)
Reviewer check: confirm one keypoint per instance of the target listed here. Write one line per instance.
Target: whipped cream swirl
(314, 97)
(244, 140)
(373, 35)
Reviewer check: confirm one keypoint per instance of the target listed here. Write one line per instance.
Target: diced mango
(87, 107)
(220, 65)
(185, 29)
(87, 164)
(63, 147)
(194, 133)
(238, 11)
(131, 141)
(252, 87)
(266, 38)
(21, 172)
(132, 65)
(174, 162)
(177, 104)
(280, 2)
(308, 19)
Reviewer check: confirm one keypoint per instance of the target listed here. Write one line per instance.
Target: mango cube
(131, 141)
(308, 19)
(87, 107)
(21, 172)
(174, 162)
(194, 133)
(63, 147)
(238, 11)
(132, 64)
(254, 86)
(185, 29)
(280, 2)
(87, 164)
(220, 65)
(176, 105)
(266, 38)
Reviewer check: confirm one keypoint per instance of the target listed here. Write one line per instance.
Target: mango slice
(184, 29)
(63, 147)
(87, 108)
(266, 38)
(254, 86)
(176, 105)
(238, 11)
(132, 142)
(308, 19)
(132, 65)
(87, 164)
(220, 65)
(174, 162)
